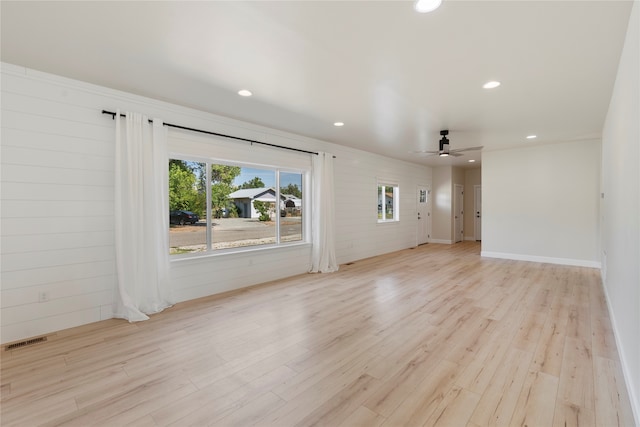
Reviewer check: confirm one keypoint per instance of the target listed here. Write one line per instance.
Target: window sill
(253, 250)
(389, 221)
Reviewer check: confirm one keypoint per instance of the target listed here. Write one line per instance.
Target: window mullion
(385, 189)
(208, 210)
(277, 207)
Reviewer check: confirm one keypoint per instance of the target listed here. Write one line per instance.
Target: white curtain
(141, 218)
(323, 253)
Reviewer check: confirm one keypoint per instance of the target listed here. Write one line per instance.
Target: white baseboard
(548, 260)
(444, 242)
(635, 403)
(469, 238)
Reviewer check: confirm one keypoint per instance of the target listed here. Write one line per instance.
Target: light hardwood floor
(434, 335)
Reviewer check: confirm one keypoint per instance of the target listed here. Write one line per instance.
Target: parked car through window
(183, 217)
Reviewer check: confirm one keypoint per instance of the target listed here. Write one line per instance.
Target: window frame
(209, 250)
(386, 184)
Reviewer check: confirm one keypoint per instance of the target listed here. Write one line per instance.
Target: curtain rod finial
(111, 113)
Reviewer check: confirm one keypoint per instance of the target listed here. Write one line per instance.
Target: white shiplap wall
(57, 204)
(358, 233)
(57, 208)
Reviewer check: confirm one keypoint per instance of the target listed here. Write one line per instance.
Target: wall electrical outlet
(43, 297)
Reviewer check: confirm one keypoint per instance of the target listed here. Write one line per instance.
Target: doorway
(424, 214)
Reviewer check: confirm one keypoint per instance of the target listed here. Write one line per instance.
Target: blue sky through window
(268, 177)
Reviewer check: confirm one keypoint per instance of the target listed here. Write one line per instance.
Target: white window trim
(210, 252)
(396, 204)
(241, 250)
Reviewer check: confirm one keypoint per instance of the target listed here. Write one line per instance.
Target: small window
(388, 195)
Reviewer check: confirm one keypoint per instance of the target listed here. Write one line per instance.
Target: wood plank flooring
(431, 336)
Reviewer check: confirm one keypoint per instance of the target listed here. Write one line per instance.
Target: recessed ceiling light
(244, 92)
(338, 124)
(532, 136)
(491, 85)
(472, 161)
(424, 6)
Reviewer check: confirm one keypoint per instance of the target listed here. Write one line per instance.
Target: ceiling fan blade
(466, 149)
(426, 152)
(454, 154)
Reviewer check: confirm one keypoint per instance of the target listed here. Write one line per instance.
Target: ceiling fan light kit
(444, 144)
(445, 151)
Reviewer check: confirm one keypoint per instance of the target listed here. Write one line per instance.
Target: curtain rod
(113, 116)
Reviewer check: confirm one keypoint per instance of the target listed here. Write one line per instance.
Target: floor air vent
(25, 343)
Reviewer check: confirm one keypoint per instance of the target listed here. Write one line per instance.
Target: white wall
(57, 204)
(540, 203)
(621, 209)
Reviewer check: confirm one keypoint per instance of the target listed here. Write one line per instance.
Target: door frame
(477, 214)
(420, 239)
(458, 224)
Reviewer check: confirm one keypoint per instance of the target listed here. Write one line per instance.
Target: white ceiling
(393, 76)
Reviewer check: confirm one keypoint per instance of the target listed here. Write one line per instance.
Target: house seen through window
(216, 207)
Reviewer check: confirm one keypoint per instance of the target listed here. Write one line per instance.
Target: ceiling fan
(445, 151)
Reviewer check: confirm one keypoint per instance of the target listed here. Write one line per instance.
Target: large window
(244, 206)
(388, 195)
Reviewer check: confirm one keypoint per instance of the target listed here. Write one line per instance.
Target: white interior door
(424, 214)
(458, 213)
(477, 203)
